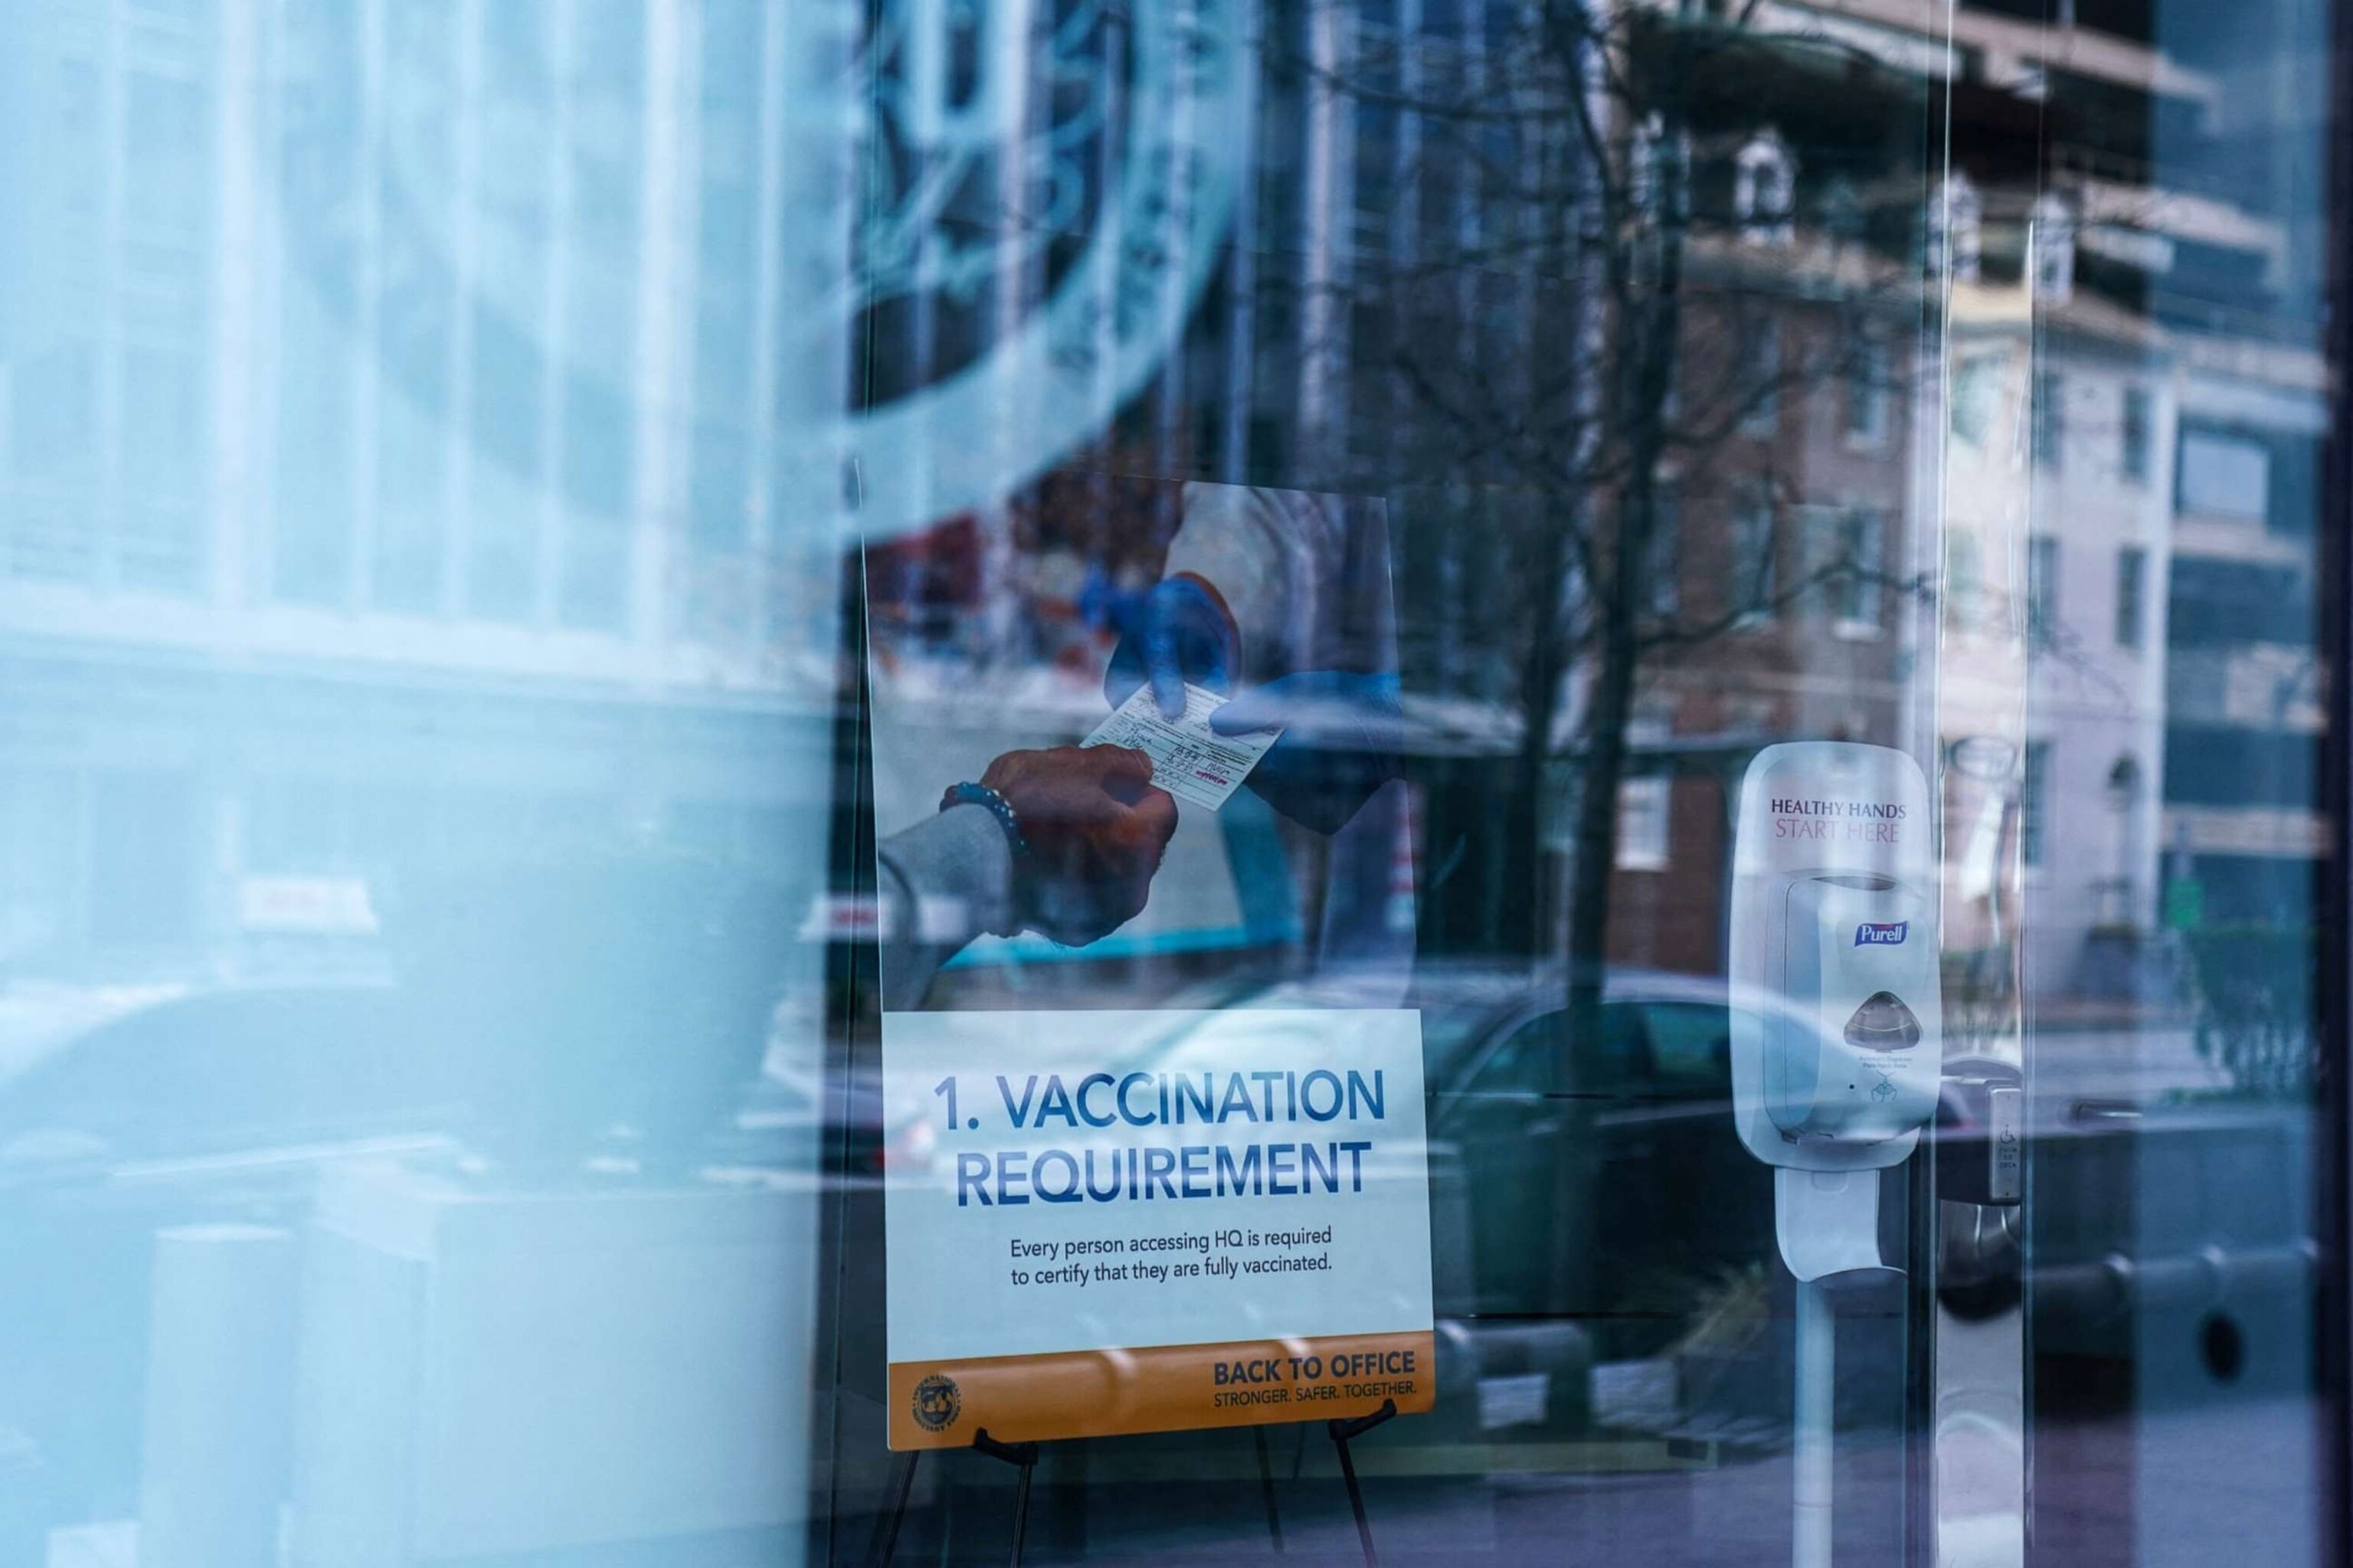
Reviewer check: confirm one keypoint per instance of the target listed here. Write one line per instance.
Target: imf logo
(970, 195)
(1877, 934)
(937, 1402)
(1000, 212)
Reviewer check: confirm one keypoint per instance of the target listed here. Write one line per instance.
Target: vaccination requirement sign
(1142, 1222)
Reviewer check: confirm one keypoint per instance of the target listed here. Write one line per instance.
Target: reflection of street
(2097, 1505)
(2136, 1063)
(1125, 1506)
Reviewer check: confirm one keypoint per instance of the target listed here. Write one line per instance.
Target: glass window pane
(1559, 782)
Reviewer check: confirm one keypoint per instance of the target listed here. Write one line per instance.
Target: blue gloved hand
(1341, 733)
(1181, 632)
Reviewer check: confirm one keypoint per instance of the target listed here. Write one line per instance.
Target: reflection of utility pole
(2184, 906)
(1242, 304)
(813, 172)
(1330, 222)
(661, 326)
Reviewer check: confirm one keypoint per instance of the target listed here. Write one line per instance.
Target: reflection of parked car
(1595, 1172)
(219, 1106)
(1605, 1175)
(1600, 1183)
(1588, 1198)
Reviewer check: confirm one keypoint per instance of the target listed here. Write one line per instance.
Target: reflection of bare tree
(1979, 998)
(2255, 1008)
(1617, 284)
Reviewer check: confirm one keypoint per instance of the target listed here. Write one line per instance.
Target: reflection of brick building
(1780, 605)
(1794, 601)
(1799, 565)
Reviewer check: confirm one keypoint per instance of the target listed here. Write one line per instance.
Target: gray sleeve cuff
(947, 879)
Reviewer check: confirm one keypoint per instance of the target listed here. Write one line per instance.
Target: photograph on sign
(1136, 1222)
(1150, 1093)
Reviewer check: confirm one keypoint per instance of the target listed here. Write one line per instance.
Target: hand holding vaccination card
(1190, 760)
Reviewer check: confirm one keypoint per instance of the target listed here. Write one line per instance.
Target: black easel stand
(885, 1545)
(1266, 1487)
(1342, 1432)
(1022, 1457)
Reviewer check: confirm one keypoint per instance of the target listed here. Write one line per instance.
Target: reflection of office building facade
(2242, 827)
(2170, 431)
(2055, 561)
(458, 439)
(2120, 301)
(2096, 576)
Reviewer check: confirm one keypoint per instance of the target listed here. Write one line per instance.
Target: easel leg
(1342, 1431)
(1021, 1512)
(1024, 1457)
(885, 1545)
(1266, 1487)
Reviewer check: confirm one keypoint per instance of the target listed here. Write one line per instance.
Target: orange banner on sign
(1161, 1388)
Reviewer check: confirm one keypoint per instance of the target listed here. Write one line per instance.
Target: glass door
(1424, 780)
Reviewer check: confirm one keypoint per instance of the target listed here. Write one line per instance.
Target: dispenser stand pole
(1816, 1378)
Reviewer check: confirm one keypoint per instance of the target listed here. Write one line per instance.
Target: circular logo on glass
(937, 1402)
(1015, 283)
(868, 264)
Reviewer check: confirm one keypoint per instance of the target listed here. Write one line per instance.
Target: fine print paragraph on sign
(1137, 1222)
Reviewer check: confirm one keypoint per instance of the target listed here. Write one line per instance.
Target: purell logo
(1878, 934)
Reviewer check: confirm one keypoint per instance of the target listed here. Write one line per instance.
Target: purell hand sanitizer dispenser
(1855, 958)
(1836, 1030)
